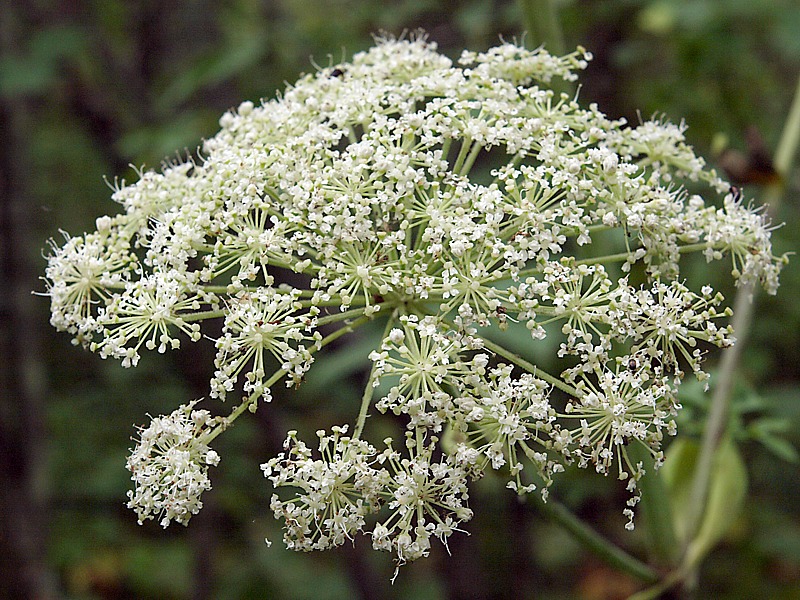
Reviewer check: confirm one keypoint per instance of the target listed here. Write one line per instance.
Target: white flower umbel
(81, 276)
(257, 325)
(507, 420)
(338, 489)
(169, 466)
(426, 363)
(146, 313)
(450, 203)
(427, 498)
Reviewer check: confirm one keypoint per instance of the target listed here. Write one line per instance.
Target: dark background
(88, 88)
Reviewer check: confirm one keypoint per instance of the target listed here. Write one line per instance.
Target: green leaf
(768, 432)
(780, 448)
(726, 492)
(678, 472)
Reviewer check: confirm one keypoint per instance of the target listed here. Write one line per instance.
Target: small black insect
(337, 73)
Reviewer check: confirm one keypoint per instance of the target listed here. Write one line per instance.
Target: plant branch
(592, 540)
(530, 367)
(369, 390)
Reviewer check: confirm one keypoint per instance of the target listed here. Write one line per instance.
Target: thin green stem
(366, 399)
(653, 593)
(343, 316)
(530, 367)
(466, 145)
(465, 168)
(202, 316)
(243, 406)
(592, 540)
(623, 256)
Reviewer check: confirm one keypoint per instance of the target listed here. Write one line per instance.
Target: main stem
(743, 314)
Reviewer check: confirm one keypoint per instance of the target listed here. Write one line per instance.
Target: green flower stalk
(446, 200)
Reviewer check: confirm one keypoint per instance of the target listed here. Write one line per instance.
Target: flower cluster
(452, 202)
(351, 480)
(259, 321)
(169, 466)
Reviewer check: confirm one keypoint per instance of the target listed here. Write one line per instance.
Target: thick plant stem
(717, 422)
(542, 24)
(743, 313)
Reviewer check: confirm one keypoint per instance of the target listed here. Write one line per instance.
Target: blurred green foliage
(105, 84)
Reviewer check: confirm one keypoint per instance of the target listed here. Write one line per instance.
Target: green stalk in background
(542, 25)
(743, 314)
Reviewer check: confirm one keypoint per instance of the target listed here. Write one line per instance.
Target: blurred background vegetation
(90, 87)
